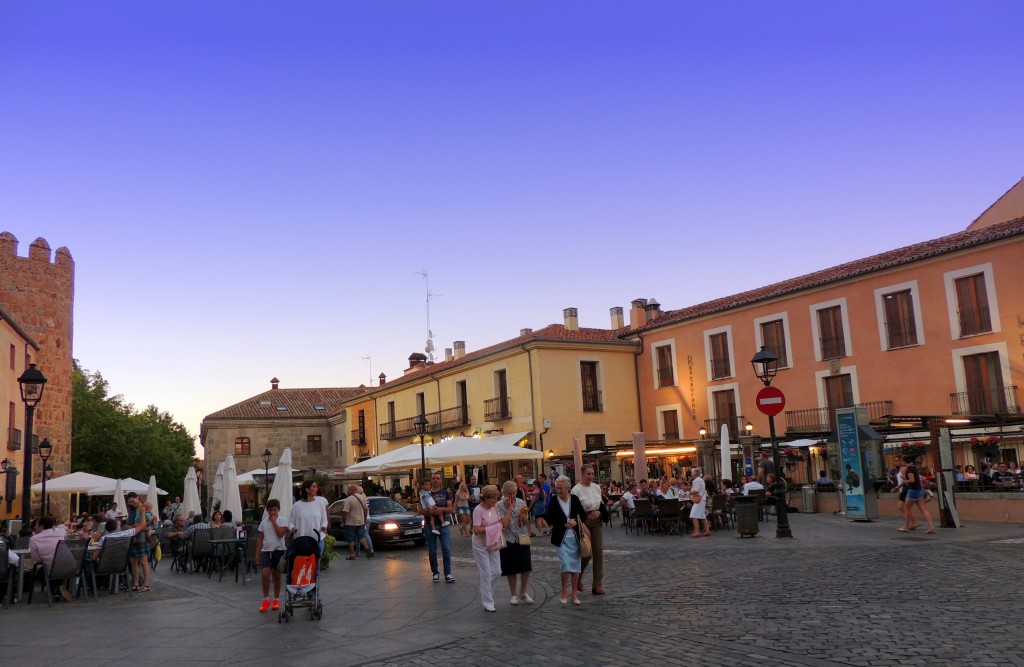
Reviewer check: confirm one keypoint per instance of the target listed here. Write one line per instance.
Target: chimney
(524, 332)
(460, 348)
(416, 359)
(382, 379)
(653, 309)
(616, 314)
(448, 356)
(637, 314)
(572, 320)
(274, 382)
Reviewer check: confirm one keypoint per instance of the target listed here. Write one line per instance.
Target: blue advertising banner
(851, 477)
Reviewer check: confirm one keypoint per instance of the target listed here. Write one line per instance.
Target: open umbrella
(232, 498)
(76, 482)
(190, 502)
(402, 458)
(282, 488)
(128, 484)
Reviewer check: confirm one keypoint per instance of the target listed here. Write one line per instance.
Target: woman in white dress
(699, 511)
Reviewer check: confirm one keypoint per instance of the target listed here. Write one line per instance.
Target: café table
(226, 549)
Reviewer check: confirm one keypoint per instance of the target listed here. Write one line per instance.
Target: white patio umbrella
(76, 483)
(232, 498)
(152, 495)
(190, 501)
(483, 450)
(218, 488)
(122, 504)
(282, 488)
(402, 458)
(128, 484)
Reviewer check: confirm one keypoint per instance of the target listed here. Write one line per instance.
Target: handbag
(695, 498)
(585, 549)
(525, 540)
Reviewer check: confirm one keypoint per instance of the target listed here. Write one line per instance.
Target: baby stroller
(302, 589)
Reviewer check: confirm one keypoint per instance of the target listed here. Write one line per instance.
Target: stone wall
(38, 293)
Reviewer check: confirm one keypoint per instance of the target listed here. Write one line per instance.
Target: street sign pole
(771, 402)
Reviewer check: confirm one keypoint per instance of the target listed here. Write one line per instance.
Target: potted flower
(913, 449)
(325, 560)
(985, 446)
(793, 454)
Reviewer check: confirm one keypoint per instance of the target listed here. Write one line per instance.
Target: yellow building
(19, 350)
(555, 384)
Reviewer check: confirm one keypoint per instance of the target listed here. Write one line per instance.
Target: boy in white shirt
(271, 547)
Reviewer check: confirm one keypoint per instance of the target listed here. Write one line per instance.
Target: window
(242, 447)
(421, 404)
(588, 380)
(838, 394)
(773, 337)
(830, 331)
(313, 444)
(390, 430)
(14, 352)
(725, 412)
(720, 363)
(983, 375)
(462, 401)
(972, 305)
(665, 369)
(339, 445)
(900, 325)
(670, 425)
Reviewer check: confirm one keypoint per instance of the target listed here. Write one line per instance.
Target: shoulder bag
(585, 548)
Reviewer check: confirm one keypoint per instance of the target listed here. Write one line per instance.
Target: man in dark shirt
(765, 467)
(442, 506)
(1001, 477)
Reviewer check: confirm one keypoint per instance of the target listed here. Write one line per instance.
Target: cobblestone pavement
(840, 593)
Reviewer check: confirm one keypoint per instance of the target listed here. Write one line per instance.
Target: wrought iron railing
(496, 409)
(440, 420)
(359, 436)
(975, 321)
(994, 401)
(714, 426)
(823, 420)
(592, 401)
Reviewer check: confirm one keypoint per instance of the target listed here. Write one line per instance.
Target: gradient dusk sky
(249, 188)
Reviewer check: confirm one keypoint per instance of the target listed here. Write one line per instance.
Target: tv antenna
(429, 349)
(370, 364)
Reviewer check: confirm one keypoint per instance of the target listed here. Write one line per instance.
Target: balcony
(592, 401)
(358, 437)
(714, 426)
(440, 420)
(14, 439)
(496, 409)
(823, 420)
(985, 402)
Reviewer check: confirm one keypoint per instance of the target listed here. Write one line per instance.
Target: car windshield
(384, 506)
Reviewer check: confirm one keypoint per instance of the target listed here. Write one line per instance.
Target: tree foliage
(111, 438)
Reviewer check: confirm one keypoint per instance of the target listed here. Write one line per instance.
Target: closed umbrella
(151, 496)
(282, 488)
(232, 498)
(726, 453)
(190, 501)
(122, 504)
(218, 489)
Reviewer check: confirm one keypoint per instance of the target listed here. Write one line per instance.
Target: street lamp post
(45, 450)
(421, 424)
(766, 365)
(31, 383)
(49, 475)
(266, 475)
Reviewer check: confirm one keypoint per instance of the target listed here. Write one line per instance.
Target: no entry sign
(770, 401)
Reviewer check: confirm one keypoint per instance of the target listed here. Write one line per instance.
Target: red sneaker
(277, 605)
(265, 606)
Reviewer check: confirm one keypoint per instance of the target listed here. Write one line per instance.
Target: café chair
(113, 563)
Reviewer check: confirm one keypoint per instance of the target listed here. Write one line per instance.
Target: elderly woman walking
(515, 557)
(565, 516)
(590, 499)
(488, 527)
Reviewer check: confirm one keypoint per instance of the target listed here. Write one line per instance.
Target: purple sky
(248, 188)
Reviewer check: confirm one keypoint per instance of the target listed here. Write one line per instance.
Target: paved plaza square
(839, 593)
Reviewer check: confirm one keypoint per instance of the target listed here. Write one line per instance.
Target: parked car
(390, 523)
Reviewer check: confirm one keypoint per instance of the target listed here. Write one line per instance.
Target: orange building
(929, 330)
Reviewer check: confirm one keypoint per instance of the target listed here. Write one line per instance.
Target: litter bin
(810, 501)
(746, 515)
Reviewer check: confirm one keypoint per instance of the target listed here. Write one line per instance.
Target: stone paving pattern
(839, 593)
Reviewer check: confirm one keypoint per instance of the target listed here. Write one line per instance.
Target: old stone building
(37, 295)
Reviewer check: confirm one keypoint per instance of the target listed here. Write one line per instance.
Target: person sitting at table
(823, 478)
(971, 473)
(1002, 479)
(751, 485)
(197, 524)
(709, 484)
(43, 545)
(111, 531)
(217, 520)
(644, 489)
(665, 491)
(627, 502)
(985, 479)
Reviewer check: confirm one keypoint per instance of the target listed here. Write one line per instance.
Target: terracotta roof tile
(297, 404)
(859, 267)
(550, 333)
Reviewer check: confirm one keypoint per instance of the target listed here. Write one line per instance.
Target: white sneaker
(489, 607)
(525, 597)
(436, 531)
(514, 601)
(446, 523)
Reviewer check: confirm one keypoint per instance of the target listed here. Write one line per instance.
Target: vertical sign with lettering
(851, 476)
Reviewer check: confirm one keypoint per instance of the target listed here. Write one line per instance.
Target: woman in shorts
(915, 497)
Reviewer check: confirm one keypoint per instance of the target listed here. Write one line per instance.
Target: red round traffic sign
(770, 401)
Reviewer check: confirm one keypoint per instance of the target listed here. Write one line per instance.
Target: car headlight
(423, 521)
(390, 526)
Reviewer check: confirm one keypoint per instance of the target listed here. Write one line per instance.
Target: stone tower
(38, 292)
